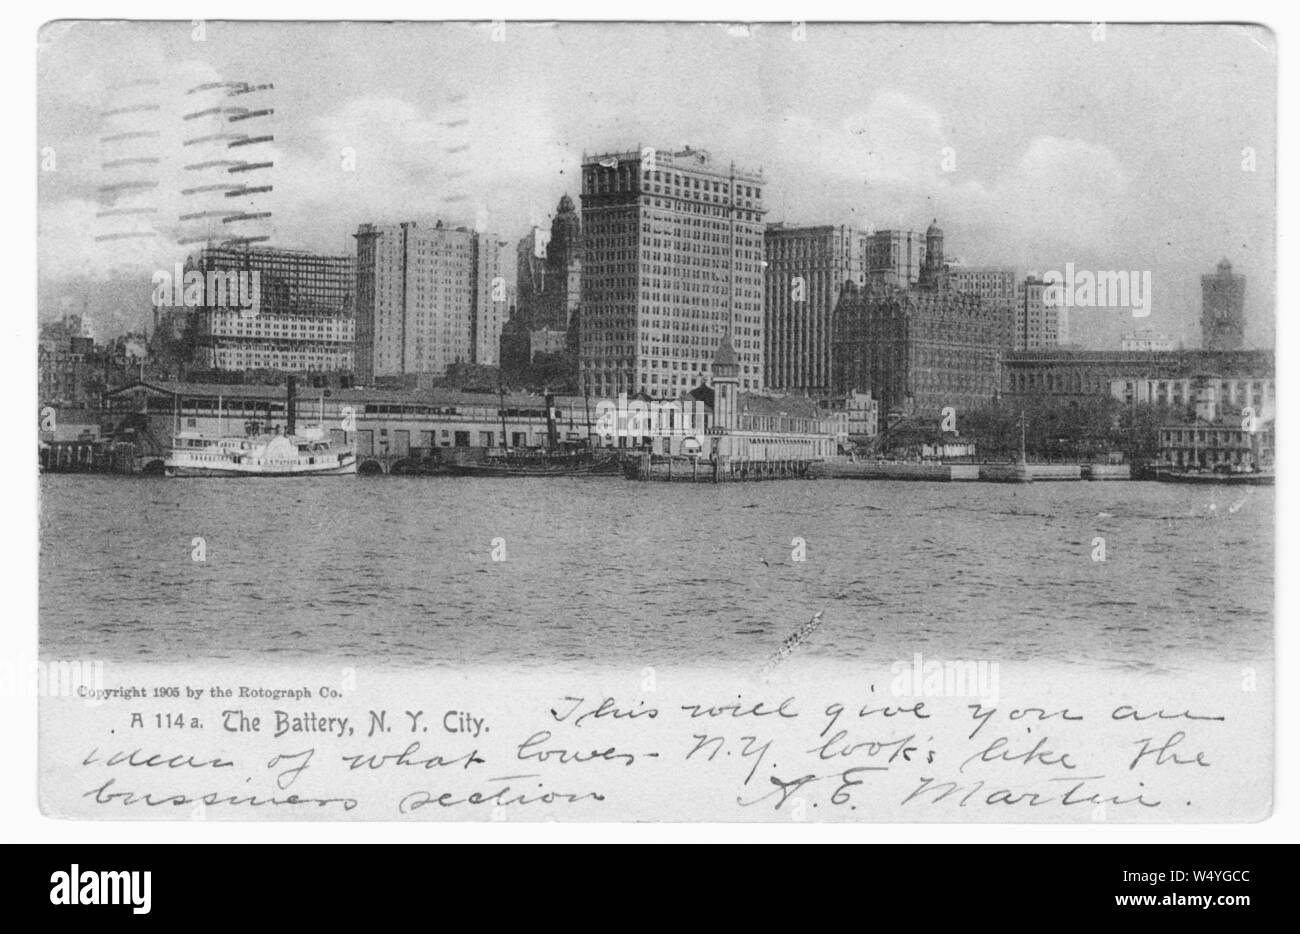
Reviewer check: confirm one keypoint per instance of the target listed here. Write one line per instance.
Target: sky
(1133, 148)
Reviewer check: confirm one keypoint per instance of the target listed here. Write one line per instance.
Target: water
(610, 572)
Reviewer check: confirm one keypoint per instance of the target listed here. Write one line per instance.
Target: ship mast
(552, 432)
(586, 408)
(291, 406)
(505, 435)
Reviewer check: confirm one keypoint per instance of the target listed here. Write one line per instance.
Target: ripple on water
(605, 571)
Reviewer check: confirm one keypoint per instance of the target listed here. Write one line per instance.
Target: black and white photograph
(521, 421)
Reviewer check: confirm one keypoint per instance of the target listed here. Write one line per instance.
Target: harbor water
(606, 572)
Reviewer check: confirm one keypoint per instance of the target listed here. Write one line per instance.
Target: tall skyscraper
(1223, 309)
(1038, 319)
(494, 294)
(807, 268)
(894, 257)
(416, 295)
(996, 288)
(672, 264)
(305, 316)
(530, 270)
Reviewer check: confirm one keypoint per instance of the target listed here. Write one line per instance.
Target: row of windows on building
(1223, 437)
(718, 207)
(272, 360)
(1176, 391)
(621, 176)
(651, 385)
(260, 326)
(618, 254)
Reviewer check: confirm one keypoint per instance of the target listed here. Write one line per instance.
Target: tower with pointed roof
(563, 268)
(932, 266)
(726, 386)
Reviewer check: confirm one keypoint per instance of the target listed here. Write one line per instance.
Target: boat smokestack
(291, 405)
(552, 435)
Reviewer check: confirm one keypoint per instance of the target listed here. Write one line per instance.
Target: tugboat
(308, 453)
(550, 461)
(1230, 477)
(542, 464)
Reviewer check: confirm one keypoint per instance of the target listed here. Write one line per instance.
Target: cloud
(1065, 191)
(896, 164)
(900, 140)
(896, 142)
(384, 159)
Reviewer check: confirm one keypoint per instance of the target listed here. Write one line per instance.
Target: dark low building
(917, 351)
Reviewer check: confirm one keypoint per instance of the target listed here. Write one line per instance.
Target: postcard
(560, 421)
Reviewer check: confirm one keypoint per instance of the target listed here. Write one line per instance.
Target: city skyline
(1104, 163)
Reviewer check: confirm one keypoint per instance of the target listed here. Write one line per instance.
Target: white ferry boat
(307, 454)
